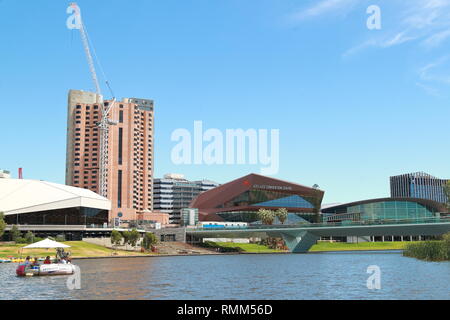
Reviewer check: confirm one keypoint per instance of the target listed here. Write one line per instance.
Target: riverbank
(78, 249)
(321, 247)
(85, 250)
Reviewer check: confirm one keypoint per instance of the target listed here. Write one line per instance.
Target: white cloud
(321, 8)
(436, 39)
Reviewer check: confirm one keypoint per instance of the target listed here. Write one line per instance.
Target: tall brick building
(130, 151)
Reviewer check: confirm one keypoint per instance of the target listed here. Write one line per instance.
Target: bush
(29, 237)
(428, 250)
(213, 245)
(2, 224)
(21, 241)
(149, 240)
(14, 234)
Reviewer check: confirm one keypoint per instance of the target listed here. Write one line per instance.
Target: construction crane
(106, 108)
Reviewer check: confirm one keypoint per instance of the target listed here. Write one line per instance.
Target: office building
(130, 151)
(418, 185)
(174, 193)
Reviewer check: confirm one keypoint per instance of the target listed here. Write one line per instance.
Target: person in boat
(27, 261)
(36, 262)
(47, 260)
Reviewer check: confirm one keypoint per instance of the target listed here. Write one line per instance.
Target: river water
(267, 277)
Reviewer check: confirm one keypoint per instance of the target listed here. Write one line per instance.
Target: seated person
(27, 261)
(47, 260)
(36, 262)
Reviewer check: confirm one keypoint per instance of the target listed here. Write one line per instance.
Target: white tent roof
(46, 244)
(24, 196)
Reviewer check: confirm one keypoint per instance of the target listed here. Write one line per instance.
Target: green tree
(149, 240)
(447, 194)
(134, 237)
(126, 237)
(282, 215)
(14, 234)
(116, 238)
(266, 216)
(2, 224)
(29, 237)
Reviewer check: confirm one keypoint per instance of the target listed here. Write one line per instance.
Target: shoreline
(240, 253)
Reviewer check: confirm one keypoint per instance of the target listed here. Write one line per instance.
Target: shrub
(14, 234)
(428, 250)
(149, 240)
(2, 224)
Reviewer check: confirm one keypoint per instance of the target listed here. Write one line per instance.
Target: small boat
(45, 270)
(53, 269)
(5, 261)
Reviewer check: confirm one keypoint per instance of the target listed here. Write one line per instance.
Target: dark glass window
(119, 189)
(120, 145)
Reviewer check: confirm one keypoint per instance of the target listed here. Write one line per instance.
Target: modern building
(31, 202)
(418, 185)
(174, 193)
(130, 151)
(4, 174)
(383, 209)
(240, 200)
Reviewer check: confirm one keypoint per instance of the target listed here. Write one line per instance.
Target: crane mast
(106, 108)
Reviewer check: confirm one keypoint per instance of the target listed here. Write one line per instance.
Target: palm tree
(282, 215)
(266, 216)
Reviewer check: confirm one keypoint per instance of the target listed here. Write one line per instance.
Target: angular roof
(228, 191)
(24, 196)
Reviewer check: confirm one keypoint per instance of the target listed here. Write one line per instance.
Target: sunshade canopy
(46, 244)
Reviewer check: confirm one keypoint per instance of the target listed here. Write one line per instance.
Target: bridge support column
(300, 242)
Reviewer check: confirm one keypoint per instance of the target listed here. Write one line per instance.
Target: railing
(374, 222)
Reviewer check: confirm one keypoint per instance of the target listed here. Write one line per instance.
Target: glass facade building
(173, 193)
(384, 209)
(418, 185)
(66, 216)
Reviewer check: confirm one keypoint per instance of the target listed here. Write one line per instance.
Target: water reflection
(311, 276)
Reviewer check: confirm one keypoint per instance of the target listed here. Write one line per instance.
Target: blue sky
(353, 105)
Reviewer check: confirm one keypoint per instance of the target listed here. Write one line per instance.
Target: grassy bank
(77, 248)
(362, 246)
(320, 247)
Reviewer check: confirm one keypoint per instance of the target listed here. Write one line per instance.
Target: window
(119, 189)
(120, 145)
(121, 116)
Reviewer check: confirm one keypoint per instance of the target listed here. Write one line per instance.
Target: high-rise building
(418, 185)
(174, 193)
(130, 151)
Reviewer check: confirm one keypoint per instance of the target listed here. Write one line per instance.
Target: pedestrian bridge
(300, 238)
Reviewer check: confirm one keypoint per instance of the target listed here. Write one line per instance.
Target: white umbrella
(46, 244)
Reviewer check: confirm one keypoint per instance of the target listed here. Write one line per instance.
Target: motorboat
(56, 269)
(28, 269)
